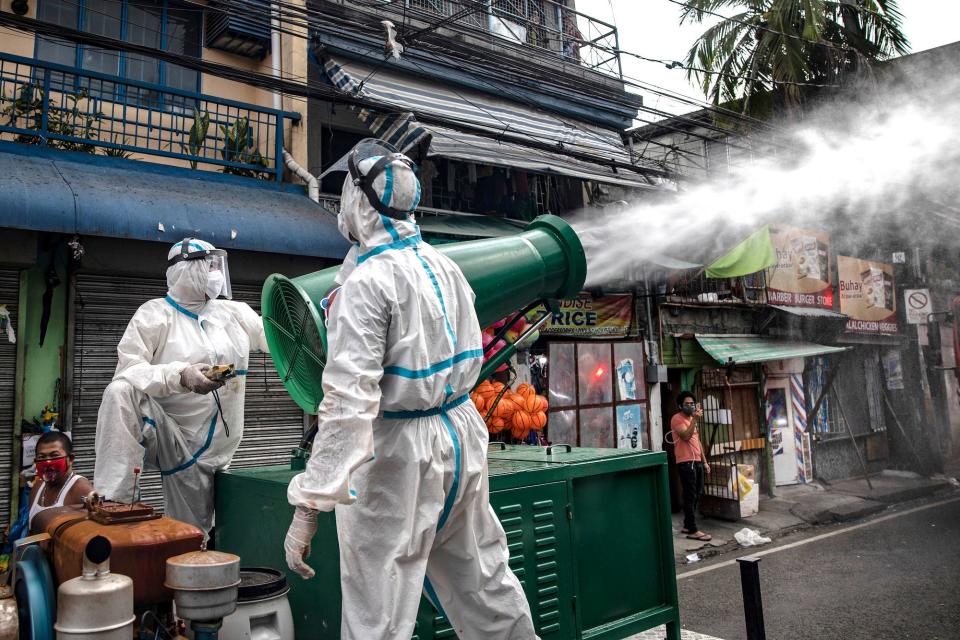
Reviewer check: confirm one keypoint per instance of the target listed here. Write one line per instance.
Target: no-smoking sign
(918, 305)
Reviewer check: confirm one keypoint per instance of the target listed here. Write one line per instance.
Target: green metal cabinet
(589, 534)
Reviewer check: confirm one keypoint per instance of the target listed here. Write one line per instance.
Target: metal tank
(204, 585)
(140, 538)
(546, 261)
(99, 604)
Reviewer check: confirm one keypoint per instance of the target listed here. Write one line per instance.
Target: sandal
(685, 531)
(701, 536)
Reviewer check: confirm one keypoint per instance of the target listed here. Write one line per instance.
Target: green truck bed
(589, 533)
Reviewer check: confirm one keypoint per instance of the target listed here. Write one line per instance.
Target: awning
(66, 192)
(810, 312)
(468, 226)
(745, 349)
(405, 97)
(449, 143)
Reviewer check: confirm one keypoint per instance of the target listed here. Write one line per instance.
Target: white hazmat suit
(401, 450)
(149, 419)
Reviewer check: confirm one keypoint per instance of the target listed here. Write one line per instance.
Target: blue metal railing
(44, 103)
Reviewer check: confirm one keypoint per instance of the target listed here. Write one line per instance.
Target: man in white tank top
(56, 484)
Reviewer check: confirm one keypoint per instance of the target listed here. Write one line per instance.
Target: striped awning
(449, 143)
(405, 97)
(747, 349)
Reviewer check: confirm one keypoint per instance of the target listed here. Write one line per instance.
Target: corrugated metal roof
(746, 349)
(810, 312)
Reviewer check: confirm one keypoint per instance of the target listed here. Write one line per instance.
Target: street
(895, 576)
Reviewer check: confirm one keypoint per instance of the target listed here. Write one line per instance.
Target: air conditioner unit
(239, 33)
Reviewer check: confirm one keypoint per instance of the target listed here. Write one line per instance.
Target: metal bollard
(752, 603)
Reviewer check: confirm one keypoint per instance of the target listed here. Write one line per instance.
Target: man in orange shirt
(691, 463)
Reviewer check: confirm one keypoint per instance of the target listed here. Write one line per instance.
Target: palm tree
(784, 49)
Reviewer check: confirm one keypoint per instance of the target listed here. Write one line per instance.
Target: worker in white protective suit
(400, 450)
(165, 408)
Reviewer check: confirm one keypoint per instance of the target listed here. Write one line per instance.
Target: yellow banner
(607, 316)
(801, 276)
(867, 295)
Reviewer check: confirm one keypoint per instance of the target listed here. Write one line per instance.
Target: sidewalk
(800, 506)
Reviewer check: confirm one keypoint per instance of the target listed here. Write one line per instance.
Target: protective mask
(689, 410)
(52, 470)
(214, 284)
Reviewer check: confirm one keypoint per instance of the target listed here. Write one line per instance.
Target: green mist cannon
(545, 262)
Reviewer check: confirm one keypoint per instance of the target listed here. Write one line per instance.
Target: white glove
(297, 543)
(192, 377)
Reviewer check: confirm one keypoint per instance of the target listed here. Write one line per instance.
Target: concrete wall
(43, 364)
(16, 42)
(835, 458)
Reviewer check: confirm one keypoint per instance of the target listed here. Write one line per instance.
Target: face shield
(218, 277)
(384, 154)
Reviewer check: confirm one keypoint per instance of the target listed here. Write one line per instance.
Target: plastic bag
(749, 538)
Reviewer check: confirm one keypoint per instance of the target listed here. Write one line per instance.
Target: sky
(651, 28)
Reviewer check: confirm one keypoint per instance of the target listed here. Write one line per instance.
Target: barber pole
(799, 421)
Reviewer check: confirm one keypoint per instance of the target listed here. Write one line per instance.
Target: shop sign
(918, 305)
(867, 296)
(606, 317)
(801, 277)
(893, 369)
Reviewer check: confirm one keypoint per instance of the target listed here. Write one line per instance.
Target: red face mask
(52, 470)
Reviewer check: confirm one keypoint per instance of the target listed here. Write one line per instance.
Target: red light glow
(599, 372)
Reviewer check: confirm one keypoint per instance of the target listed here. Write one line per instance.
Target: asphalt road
(893, 579)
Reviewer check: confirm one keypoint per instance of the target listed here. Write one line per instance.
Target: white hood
(187, 280)
(359, 222)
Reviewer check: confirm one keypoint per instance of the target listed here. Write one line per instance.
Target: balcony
(695, 288)
(42, 103)
(547, 25)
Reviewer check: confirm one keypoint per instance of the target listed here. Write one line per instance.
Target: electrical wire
(654, 111)
(645, 86)
(252, 9)
(306, 90)
(679, 65)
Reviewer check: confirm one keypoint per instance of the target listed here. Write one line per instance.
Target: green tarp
(746, 349)
(754, 254)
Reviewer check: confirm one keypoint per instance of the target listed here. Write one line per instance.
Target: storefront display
(597, 394)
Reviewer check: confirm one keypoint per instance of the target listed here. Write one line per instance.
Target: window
(159, 24)
(597, 395)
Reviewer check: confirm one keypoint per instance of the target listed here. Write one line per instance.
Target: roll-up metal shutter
(9, 295)
(273, 423)
(103, 305)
